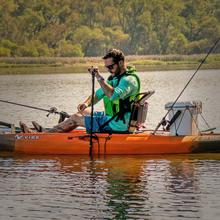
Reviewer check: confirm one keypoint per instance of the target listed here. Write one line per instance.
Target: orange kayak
(77, 142)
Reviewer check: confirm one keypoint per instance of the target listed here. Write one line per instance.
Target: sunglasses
(110, 67)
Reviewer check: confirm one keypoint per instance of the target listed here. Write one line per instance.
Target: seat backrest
(139, 110)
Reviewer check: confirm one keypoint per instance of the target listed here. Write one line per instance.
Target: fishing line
(201, 63)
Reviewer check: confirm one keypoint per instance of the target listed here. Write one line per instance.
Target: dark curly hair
(117, 55)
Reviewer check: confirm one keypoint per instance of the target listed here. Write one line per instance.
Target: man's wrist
(99, 78)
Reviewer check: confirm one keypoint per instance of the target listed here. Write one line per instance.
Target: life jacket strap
(120, 114)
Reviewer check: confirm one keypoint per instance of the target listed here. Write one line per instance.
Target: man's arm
(107, 89)
(87, 103)
(127, 86)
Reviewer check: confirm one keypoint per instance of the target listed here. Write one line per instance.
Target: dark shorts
(99, 118)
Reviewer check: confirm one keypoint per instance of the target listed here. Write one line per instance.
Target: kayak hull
(77, 143)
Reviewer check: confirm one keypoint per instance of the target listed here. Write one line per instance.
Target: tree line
(71, 28)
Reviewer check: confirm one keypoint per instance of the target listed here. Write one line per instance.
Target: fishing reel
(63, 115)
(52, 110)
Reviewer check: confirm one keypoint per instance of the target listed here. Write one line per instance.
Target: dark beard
(118, 71)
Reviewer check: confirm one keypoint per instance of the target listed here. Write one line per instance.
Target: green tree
(67, 49)
(38, 27)
(115, 37)
(8, 25)
(31, 23)
(53, 34)
(11, 46)
(27, 50)
(5, 52)
(92, 40)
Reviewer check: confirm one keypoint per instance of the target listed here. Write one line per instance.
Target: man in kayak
(117, 92)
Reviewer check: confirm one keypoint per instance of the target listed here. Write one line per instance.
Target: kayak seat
(139, 111)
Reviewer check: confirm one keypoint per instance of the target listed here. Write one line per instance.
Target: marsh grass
(15, 65)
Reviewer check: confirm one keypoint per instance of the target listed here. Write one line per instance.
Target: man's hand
(95, 71)
(107, 89)
(82, 107)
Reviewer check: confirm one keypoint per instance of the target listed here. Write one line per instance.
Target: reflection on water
(125, 187)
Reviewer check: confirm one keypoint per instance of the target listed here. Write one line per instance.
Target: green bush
(9, 45)
(5, 52)
(27, 51)
(42, 48)
(66, 49)
(177, 44)
(34, 49)
(196, 47)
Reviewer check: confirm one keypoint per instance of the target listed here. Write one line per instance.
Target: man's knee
(77, 118)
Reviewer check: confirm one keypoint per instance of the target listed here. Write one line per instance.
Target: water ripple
(67, 187)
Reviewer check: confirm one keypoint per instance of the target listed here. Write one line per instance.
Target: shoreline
(81, 69)
(56, 65)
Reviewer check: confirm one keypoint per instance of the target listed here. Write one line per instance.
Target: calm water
(125, 187)
(143, 187)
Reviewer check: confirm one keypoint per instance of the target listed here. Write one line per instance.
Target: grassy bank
(29, 65)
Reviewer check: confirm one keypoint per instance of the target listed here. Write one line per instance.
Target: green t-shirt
(127, 86)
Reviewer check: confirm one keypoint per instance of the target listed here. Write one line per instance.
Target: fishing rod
(163, 120)
(52, 110)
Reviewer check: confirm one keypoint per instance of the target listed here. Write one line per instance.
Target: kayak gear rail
(201, 63)
(52, 110)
